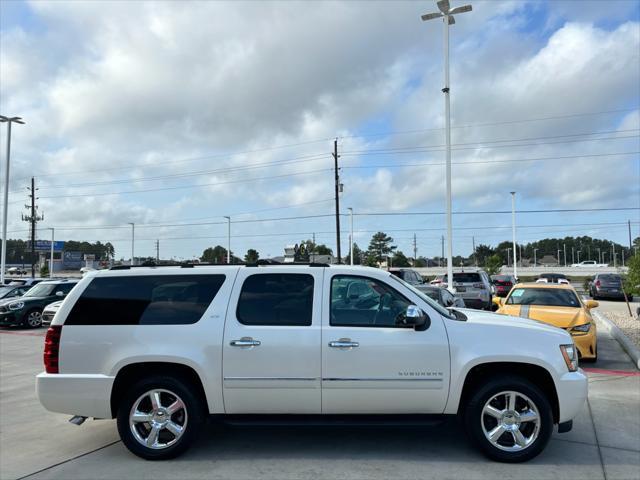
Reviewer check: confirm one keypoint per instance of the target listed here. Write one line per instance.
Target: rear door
(271, 349)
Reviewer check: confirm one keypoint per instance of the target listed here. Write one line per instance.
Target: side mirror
(591, 304)
(59, 294)
(498, 301)
(450, 302)
(414, 317)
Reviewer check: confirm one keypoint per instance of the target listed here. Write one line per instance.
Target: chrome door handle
(343, 343)
(245, 342)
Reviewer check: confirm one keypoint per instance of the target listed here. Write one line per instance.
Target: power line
(488, 212)
(419, 164)
(506, 122)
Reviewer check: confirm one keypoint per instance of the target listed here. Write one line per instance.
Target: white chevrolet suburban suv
(160, 349)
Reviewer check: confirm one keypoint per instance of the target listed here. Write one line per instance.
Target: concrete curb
(624, 341)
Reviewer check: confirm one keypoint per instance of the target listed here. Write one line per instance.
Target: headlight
(582, 328)
(570, 355)
(16, 306)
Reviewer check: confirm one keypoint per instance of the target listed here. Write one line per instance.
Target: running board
(331, 420)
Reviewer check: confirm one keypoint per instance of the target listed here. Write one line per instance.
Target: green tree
(400, 260)
(322, 249)
(493, 264)
(632, 282)
(483, 252)
(358, 255)
(217, 254)
(380, 246)
(251, 256)
(44, 270)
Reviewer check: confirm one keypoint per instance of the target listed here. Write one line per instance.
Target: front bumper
(9, 319)
(75, 394)
(586, 343)
(572, 389)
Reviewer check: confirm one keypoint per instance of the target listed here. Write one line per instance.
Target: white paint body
(293, 370)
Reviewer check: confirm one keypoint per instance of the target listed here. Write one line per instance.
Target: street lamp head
(443, 6)
(446, 10)
(11, 119)
(431, 16)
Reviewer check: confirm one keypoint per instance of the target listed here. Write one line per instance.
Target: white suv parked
(161, 348)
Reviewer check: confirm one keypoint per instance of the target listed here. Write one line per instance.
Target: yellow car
(558, 305)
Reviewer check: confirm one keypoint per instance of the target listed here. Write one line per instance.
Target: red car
(503, 284)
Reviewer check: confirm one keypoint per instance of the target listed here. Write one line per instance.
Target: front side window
(365, 302)
(279, 299)
(554, 297)
(145, 300)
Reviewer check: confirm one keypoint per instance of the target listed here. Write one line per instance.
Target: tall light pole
(133, 237)
(513, 233)
(535, 262)
(51, 260)
(579, 255)
(446, 13)
(509, 257)
(228, 239)
(351, 237)
(599, 255)
(9, 121)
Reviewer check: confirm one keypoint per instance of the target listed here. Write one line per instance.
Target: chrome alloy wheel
(510, 421)
(34, 319)
(158, 419)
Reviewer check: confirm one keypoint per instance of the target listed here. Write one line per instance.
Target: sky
(173, 115)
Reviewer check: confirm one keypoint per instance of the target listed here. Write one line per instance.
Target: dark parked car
(11, 291)
(27, 310)
(606, 285)
(408, 275)
(443, 296)
(503, 284)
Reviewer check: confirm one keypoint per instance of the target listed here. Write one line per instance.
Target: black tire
(473, 418)
(193, 420)
(26, 319)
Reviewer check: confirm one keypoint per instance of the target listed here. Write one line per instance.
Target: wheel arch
(536, 374)
(132, 372)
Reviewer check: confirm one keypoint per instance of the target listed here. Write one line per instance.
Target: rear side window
(145, 300)
(282, 299)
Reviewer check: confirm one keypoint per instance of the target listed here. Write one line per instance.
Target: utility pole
(228, 239)
(415, 250)
(33, 218)
(573, 257)
(351, 237)
(535, 260)
(157, 251)
(133, 237)
(613, 254)
(629, 226)
(513, 232)
(475, 257)
(442, 256)
(564, 247)
(51, 258)
(337, 188)
(509, 258)
(313, 249)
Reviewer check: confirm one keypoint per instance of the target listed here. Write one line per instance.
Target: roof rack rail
(272, 263)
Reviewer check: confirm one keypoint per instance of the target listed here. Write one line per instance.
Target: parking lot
(34, 443)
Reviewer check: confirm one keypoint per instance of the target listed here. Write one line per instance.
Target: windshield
(41, 290)
(436, 306)
(5, 290)
(553, 297)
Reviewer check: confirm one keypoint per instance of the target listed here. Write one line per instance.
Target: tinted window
(365, 302)
(610, 278)
(467, 277)
(145, 300)
(543, 296)
(432, 293)
(276, 299)
(64, 288)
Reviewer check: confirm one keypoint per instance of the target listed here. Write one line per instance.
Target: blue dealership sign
(45, 246)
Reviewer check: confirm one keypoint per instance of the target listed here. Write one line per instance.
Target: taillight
(598, 283)
(52, 349)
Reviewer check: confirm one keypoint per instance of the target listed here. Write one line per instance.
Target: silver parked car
(443, 296)
(49, 312)
(474, 287)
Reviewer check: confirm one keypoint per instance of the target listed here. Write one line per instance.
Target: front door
(271, 350)
(369, 363)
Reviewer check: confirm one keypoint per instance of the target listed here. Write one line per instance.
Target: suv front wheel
(509, 419)
(159, 417)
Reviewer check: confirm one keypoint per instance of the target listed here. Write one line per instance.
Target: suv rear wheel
(159, 417)
(509, 419)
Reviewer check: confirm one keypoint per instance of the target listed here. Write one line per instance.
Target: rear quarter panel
(98, 349)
